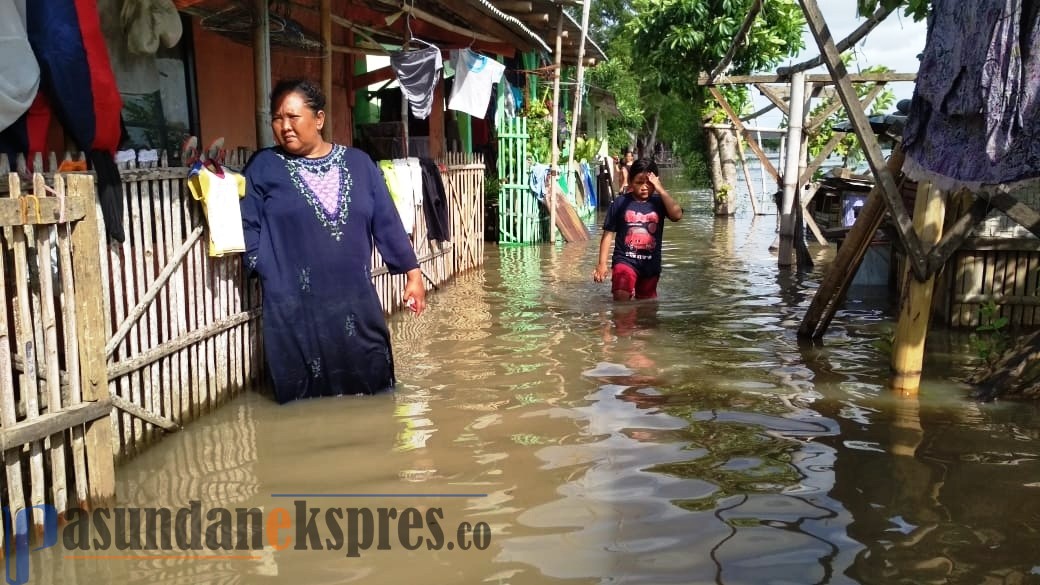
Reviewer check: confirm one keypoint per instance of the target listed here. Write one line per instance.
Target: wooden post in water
(554, 168)
(90, 331)
(916, 296)
(791, 174)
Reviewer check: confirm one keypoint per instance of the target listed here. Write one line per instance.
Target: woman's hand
(415, 292)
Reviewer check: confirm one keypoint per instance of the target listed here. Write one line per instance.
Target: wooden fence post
(916, 295)
(90, 330)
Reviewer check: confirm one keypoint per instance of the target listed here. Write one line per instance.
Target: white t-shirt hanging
(475, 74)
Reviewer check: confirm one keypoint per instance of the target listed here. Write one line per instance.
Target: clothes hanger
(408, 26)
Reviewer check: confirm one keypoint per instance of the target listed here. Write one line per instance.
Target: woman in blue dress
(311, 213)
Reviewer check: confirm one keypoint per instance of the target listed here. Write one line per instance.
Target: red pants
(625, 279)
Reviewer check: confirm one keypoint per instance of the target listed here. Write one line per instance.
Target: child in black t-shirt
(634, 226)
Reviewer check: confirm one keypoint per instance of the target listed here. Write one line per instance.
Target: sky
(895, 43)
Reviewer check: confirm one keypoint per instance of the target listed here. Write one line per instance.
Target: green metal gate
(519, 214)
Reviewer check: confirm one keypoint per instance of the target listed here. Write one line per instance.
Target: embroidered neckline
(318, 167)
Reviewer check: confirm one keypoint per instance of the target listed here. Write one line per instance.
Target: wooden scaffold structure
(929, 240)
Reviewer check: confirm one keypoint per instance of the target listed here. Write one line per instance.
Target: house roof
(495, 26)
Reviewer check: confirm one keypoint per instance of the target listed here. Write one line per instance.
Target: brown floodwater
(691, 440)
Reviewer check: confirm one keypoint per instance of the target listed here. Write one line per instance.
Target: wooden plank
(53, 424)
(567, 220)
(871, 149)
(1019, 212)
(144, 414)
(27, 347)
(56, 449)
(1018, 277)
(8, 413)
(75, 396)
(1030, 301)
(179, 306)
(157, 285)
(139, 342)
(172, 372)
(955, 288)
(39, 210)
(90, 329)
(1032, 267)
(774, 97)
(150, 323)
(978, 283)
(814, 124)
(958, 234)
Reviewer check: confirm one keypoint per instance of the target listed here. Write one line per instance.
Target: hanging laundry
(434, 202)
(19, 72)
(79, 87)
(77, 74)
(398, 179)
(974, 115)
(475, 75)
(219, 190)
(149, 23)
(539, 174)
(415, 180)
(110, 192)
(418, 72)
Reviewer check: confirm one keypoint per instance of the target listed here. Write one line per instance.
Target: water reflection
(691, 439)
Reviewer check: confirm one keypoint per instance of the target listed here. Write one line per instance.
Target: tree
(682, 38)
(849, 148)
(677, 40)
(916, 9)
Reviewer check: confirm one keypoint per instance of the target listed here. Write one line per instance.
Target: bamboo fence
(150, 333)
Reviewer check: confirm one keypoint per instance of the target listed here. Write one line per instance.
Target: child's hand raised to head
(655, 181)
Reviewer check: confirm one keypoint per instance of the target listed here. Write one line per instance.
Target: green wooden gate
(519, 214)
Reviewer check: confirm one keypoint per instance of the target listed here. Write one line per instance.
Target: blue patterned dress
(309, 228)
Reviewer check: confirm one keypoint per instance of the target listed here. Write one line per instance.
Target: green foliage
(916, 9)
(586, 149)
(539, 129)
(679, 39)
(849, 148)
(492, 189)
(991, 339)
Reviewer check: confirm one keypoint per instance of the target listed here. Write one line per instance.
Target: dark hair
(643, 165)
(311, 93)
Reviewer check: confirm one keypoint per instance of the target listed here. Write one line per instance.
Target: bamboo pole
(50, 353)
(262, 73)
(555, 163)
(578, 91)
(326, 66)
(791, 175)
(75, 395)
(916, 296)
(747, 175)
(8, 401)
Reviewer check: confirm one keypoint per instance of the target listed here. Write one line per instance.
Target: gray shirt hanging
(418, 72)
